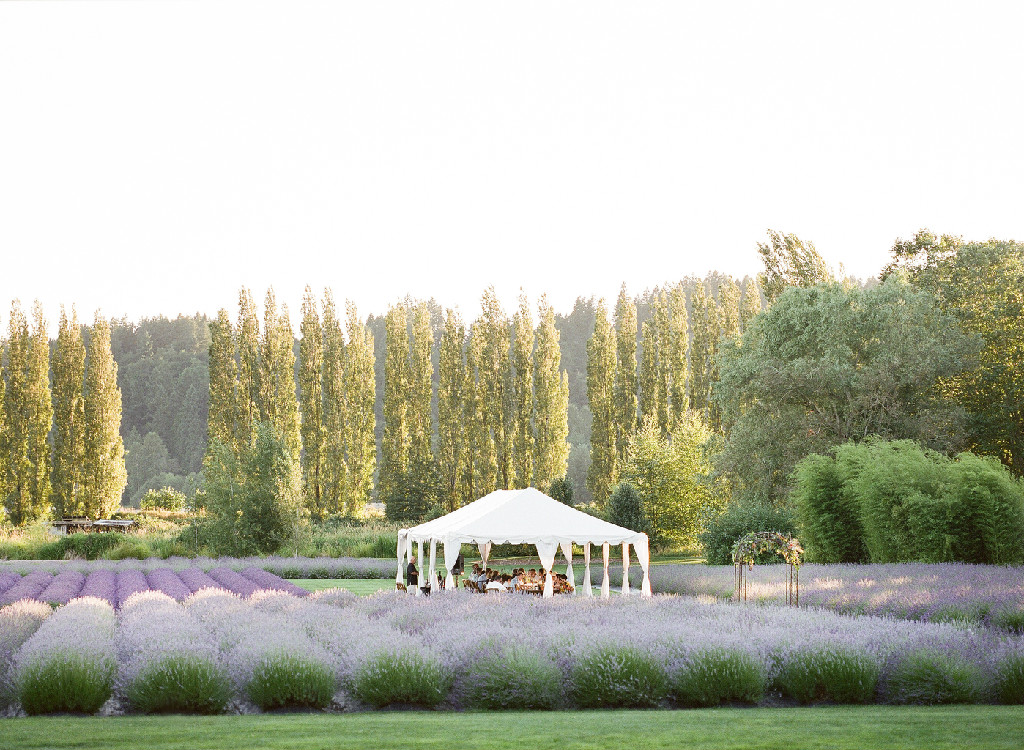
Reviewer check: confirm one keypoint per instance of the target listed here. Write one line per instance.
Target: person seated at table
(496, 584)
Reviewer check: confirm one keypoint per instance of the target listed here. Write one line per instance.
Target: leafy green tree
(652, 398)
(249, 389)
(561, 490)
(600, 391)
(829, 364)
(279, 402)
(551, 399)
(673, 475)
(625, 371)
(360, 395)
(704, 352)
(39, 403)
(676, 339)
(68, 417)
(482, 463)
(145, 458)
(522, 396)
(223, 409)
(729, 308)
(253, 497)
(395, 447)
(165, 498)
(311, 407)
(750, 306)
(981, 285)
(451, 431)
(626, 508)
(334, 414)
(20, 439)
(495, 375)
(421, 373)
(104, 478)
(789, 261)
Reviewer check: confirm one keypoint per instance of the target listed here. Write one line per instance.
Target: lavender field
(217, 651)
(982, 594)
(285, 567)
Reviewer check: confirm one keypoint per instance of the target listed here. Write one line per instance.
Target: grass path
(832, 728)
(360, 586)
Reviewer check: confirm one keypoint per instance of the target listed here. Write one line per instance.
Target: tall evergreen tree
(360, 396)
(600, 393)
(223, 415)
(496, 376)
(104, 477)
(69, 417)
(729, 308)
(395, 446)
(482, 461)
(311, 356)
(249, 402)
(625, 371)
(678, 340)
(334, 413)
(451, 449)
(551, 397)
(706, 335)
(751, 304)
(522, 395)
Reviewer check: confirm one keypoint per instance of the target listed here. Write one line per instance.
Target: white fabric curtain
(605, 584)
(588, 589)
(400, 575)
(451, 554)
(546, 552)
(419, 567)
(625, 568)
(567, 551)
(643, 554)
(433, 565)
(485, 552)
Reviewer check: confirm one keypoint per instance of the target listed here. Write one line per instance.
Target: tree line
(60, 446)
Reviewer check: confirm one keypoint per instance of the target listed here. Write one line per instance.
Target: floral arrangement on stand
(747, 548)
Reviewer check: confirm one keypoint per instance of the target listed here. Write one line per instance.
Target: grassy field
(835, 727)
(362, 587)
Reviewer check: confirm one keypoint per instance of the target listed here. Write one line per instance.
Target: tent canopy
(524, 517)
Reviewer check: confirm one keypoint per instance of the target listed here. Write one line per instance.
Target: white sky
(155, 156)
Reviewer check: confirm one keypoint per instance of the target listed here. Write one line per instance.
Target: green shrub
(1010, 680)
(929, 677)
(618, 676)
(86, 546)
(626, 508)
(403, 677)
(287, 681)
(718, 675)
(129, 549)
(1009, 618)
(830, 527)
(180, 684)
(740, 519)
(66, 683)
(165, 498)
(829, 673)
(516, 679)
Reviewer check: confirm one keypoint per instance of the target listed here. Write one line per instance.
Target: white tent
(523, 517)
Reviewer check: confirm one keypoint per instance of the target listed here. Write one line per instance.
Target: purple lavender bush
(63, 588)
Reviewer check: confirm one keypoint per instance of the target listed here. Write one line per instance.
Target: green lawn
(836, 728)
(360, 586)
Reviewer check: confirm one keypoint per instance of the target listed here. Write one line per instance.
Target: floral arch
(746, 549)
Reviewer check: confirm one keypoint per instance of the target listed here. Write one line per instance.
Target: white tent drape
(485, 552)
(588, 589)
(643, 554)
(451, 554)
(605, 584)
(625, 568)
(546, 552)
(400, 575)
(433, 566)
(419, 567)
(566, 548)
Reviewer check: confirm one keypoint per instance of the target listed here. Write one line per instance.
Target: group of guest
(521, 581)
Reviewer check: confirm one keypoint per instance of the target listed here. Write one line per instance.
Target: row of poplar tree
(328, 422)
(502, 407)
(678, 363)
(60, 445)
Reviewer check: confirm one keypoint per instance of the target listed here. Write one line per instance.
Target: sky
(157, 156)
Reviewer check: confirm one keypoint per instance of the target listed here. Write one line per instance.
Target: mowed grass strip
(360, 586)
(833, 727)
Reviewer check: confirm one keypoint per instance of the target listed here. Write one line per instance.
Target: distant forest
(164, 380)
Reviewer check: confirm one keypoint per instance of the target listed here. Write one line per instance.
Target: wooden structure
(81, 524)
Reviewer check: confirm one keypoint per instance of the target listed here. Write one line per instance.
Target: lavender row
(984, 594)
(285, 567)
(117, 587)
(274, 649)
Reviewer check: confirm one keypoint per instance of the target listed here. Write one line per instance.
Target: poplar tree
(311, 406)
(678, 340)
(18, 499)
(421, 372)
(496, 376)
(729, 308)
(551, 397)
(360, 389)
(451, 388)
(223, 419)
(4, 447)
(625, 371)
(482, 462)
(650, 395)
(750, 307)
(104, 476)
(600, 393)
(395, 444)
(278, 401)
(69, 417)
(706, 335)
(39, 410)
(522, 396)
(249, 403)
(334, 410)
